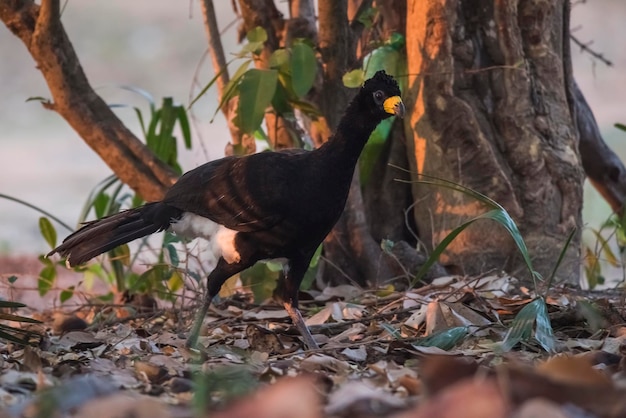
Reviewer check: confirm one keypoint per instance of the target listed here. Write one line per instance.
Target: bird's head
(382, 95)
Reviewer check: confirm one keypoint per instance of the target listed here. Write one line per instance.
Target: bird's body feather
(261, 206)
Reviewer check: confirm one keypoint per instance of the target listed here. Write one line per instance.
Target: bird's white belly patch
(222, 239)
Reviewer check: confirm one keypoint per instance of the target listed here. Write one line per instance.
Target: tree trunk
(489, 110)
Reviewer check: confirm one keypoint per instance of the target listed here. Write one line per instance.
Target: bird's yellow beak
(394, 106)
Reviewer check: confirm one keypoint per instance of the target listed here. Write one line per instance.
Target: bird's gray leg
(222, 272)
(294, 273)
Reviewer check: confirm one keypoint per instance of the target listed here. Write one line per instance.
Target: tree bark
(488, 109)
(73, 98)
(349, 249)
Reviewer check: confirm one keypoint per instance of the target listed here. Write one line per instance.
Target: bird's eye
(378, 96)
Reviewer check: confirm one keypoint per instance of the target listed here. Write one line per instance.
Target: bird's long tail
(102, 235)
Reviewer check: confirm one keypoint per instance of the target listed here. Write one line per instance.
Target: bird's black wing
(242, 193)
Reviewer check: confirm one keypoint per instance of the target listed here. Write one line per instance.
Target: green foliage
(255, 94)
(280, 89)
(608, 250)
(495, 212)
(534, 316)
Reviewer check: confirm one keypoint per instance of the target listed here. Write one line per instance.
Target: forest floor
(431, 351)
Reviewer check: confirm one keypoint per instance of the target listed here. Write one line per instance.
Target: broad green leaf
(48, 231)
(354, 78)
(256, 40)
(261, 281)
(66, 294)
(176, 282)
(256, 90)
(46, 279)
(445, 339)
(256, 34)
(303, 68)
(383, 58)
(279, 101)
(279, 60)
(173, 254)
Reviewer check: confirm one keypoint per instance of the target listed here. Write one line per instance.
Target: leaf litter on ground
(480, 347)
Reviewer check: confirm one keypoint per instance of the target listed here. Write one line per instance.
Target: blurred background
(160, 47)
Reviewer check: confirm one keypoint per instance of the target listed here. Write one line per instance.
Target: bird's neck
(350, 137)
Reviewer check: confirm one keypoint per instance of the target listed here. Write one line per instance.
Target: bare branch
(603, 167)
(585, 48)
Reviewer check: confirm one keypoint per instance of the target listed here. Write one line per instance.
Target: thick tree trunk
(489, 110)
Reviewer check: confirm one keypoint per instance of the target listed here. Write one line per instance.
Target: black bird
(263, 206)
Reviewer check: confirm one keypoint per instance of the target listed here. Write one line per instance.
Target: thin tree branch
(240, 143)
(215, 45)
(585, 48)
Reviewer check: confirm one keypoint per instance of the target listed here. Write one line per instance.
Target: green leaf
(48, 231)
(231, 87)
(497, 213)
(533, 316)
(11, 279)
(46, 279)
(303, 68)
(173, 254)
(66, 294)
(354, 78)
(620, 126)
(445, 339)
(256, 90)
(185, 128)
(279, 60)
(383, 58)
(256, 34)
(261, 280)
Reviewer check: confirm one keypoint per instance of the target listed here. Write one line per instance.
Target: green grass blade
(38, 209)
(560, 260)
(446, 339)
(533, 316)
